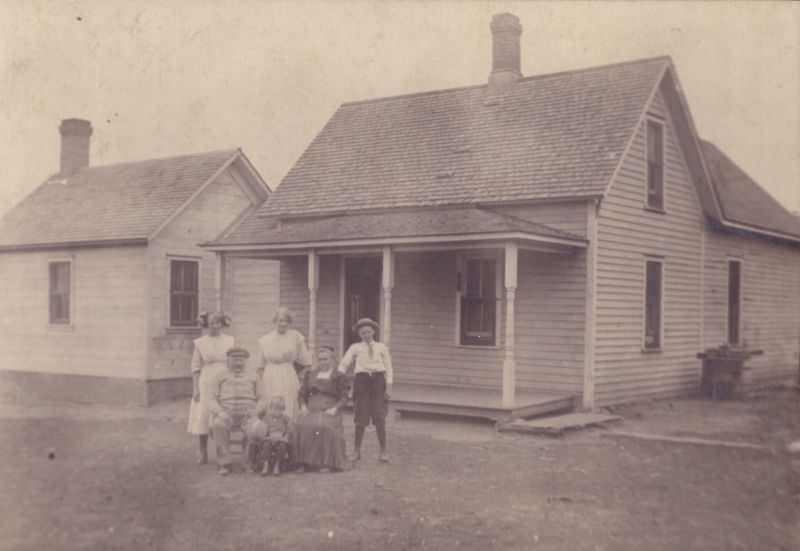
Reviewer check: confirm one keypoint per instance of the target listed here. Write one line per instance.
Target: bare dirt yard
(98, 477)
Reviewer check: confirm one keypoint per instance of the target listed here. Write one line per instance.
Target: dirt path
(124, 479)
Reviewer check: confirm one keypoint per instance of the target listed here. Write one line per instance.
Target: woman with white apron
(280, 350)
(210, 356)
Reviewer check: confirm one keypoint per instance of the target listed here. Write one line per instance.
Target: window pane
(734, 301)
(488, 282)
(473, 287)
(652, 329)
(183, 292)
(59, 291)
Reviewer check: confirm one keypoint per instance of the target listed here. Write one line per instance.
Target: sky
(173, 77)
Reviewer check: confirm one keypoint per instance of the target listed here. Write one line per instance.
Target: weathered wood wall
(628, 232)
(250, 297)
(770, 301)
(550, 320)
(203, 220)
(106, 336)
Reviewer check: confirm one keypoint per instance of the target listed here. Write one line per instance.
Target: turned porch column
(313, 287)
(219, 281)
(509, 361)
(387, 284)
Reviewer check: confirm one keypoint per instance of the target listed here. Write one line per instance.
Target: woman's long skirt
(281, 380)
(199, 416)
(318, 438)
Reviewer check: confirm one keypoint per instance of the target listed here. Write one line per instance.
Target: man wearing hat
(371, 385)
(235, 402)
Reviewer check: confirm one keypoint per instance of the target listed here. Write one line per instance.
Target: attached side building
(102, 276)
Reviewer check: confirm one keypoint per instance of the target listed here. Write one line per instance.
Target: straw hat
(365, 321)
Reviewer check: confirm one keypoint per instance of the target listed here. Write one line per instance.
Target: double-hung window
(734, 300)
(60, 291)
(183, 292)
(478, 301)
(653, 296)
(655, 165)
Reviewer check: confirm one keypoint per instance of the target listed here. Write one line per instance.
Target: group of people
(289, 409)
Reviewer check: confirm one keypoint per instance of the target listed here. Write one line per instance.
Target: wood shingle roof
(557, 135)
(118, 202)
(440, 223)
(743, 200)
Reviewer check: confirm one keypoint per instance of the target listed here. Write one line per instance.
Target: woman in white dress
(280, 350)
(210, 356)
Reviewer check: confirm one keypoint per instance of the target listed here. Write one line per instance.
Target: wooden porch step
(476, 403)
(559, 424)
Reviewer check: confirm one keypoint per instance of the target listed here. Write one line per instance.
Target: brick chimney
(75, 139)
(506, 30)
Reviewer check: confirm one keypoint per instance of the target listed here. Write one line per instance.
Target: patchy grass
(125, 479)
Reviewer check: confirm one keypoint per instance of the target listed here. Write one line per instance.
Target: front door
(361, 294)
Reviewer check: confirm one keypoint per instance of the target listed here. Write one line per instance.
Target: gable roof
(441, 224)
(742, 200)
(124, 202)
(550, 136)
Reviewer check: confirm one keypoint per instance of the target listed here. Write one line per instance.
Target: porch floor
(480, 403)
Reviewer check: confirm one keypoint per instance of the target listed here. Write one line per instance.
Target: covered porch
(455, 342)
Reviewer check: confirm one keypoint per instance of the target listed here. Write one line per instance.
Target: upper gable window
(655, 165)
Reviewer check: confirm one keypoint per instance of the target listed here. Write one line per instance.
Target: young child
(276, 445)
(372, 384)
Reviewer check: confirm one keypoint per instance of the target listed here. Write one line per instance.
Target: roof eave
(729, 224)
(576, 243)
(98, 243)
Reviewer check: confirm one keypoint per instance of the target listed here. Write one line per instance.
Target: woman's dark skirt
(318, 438)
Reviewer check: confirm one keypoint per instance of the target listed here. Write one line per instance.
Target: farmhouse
(532, 243)
(103, 279)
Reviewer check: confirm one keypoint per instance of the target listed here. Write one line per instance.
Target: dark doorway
(362, 290)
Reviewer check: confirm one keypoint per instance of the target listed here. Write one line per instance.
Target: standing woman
(281, 350)
(372, 384)
(210, 356)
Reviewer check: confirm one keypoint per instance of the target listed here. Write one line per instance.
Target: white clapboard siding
(106, 336)
(294, 290)
(424, 327)
(250, 298)
(203, 220)
(550, 318)
(329, 303)
(626, 233)
(770, 308)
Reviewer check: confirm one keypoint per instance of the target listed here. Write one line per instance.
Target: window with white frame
(653, 297)
(60, 273)
(655, 165)
(184, 292)
(478, 300)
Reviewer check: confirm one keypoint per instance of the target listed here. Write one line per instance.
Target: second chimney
(506, 30)
(75, 140)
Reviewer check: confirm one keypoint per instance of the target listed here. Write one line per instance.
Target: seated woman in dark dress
(318, 438)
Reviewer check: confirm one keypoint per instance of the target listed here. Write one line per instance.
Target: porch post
(219, 280)
(591, 306)
(313, 286)
(509, 361)
(387, 283)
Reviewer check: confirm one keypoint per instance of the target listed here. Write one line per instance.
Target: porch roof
(428, 225)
